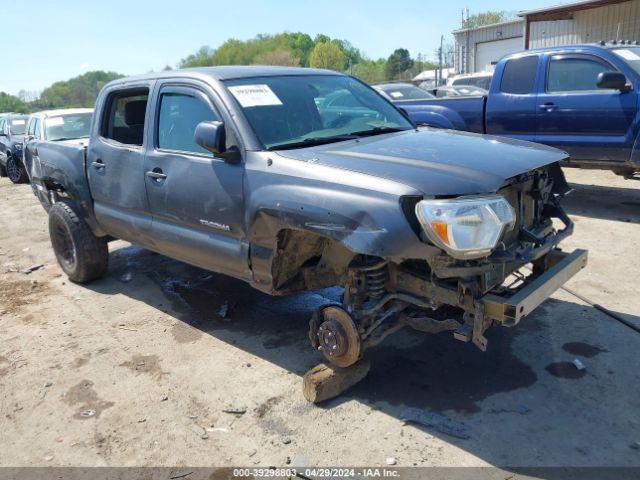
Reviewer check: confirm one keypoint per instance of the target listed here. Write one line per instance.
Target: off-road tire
(15, 170)
(81, 255)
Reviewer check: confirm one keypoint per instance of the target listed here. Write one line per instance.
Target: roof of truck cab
(228, 72)
(62, 111)
(576, 48)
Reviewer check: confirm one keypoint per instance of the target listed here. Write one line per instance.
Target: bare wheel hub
(332, 338)
(336, 336)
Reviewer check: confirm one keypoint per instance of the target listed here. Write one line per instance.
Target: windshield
(405, 92)
(303, 110)
(631, 56)
(67, 127)
(18, 125)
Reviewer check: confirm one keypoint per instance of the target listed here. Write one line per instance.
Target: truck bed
(459, 113)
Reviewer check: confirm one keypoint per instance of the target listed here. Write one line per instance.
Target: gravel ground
(137, 369)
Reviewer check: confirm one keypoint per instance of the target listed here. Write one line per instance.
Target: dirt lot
(145, 354)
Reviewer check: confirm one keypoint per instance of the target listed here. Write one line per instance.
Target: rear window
(125, 116)
(519, 75)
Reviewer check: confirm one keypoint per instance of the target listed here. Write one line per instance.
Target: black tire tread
(92, 253)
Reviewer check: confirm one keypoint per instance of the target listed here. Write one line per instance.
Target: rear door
(115, 164)
(511, 103)
(195, 198)
(590, 123)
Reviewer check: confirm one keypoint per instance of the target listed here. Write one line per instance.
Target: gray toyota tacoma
(298, 179)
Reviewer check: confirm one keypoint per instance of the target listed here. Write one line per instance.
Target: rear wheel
(81, 254)
(15, 170)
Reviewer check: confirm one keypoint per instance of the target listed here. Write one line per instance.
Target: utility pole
(441, 42)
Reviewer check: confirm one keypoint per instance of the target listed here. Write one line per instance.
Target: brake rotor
(337, 336)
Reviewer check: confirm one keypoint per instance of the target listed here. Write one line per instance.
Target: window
(291, 111)
(575, 74)
(69, 126)
(18, 125)
(631, 55)
(179, 116)
(125, 116)
(519, 75)
(476, 81)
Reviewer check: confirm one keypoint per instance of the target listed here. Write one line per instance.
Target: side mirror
(210, 136)
(613, 81)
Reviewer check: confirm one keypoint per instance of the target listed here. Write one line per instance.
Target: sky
(60, 39)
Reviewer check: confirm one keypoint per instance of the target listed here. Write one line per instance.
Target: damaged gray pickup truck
(299, 179)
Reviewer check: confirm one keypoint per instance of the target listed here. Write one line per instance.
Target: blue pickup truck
(582, 99)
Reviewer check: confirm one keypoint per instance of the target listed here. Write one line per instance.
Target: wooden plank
(324, 382)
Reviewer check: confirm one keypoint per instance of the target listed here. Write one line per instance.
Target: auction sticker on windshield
(627, 54)
(255, 95)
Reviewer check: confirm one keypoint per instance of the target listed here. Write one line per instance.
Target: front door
(115, 162)
(195, 198)
(575, 115)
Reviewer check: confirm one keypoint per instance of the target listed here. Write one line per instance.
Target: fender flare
(437, 116)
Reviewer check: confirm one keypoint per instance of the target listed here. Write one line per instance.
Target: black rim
(63, 244)
(13, 169)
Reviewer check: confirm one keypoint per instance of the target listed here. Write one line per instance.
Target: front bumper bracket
(510, 310)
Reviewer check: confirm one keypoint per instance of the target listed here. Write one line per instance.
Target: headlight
(466, 227)
(18, 146)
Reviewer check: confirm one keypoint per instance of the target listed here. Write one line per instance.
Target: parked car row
(19, 135)
(299, 179)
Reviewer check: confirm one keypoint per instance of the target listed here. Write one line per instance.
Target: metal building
(582, 22)
(579, 22)
(477, 48)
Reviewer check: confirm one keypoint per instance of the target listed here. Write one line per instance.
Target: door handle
(156, 174)
(98, 164)
(549, 106)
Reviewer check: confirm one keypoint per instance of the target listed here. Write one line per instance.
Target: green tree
(11, 103)
(398, 62)
(485, 18)
(370, 71)
(327, 55)
(277, 57)
(202, 58)
(80, 91)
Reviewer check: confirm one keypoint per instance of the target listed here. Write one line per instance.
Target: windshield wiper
(310, 142)
(67, 138)
(377, 131)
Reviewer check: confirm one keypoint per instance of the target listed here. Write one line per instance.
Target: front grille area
(528, 196)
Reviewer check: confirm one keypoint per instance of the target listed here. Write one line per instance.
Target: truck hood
(433, 161)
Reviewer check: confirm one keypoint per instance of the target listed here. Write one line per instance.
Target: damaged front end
(465, 290)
